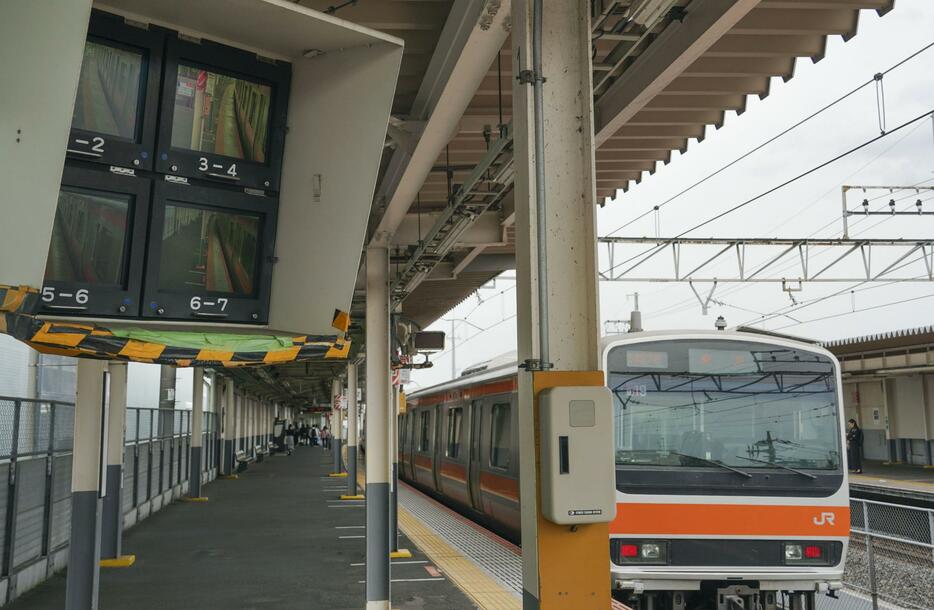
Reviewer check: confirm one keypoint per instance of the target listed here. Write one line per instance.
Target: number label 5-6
(80, 296)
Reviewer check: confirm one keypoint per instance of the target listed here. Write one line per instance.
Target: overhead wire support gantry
(801, 249)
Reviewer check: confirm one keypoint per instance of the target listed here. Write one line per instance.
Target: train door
(438, 447)
(473, 460)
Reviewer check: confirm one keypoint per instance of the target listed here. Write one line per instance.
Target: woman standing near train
(854, 446)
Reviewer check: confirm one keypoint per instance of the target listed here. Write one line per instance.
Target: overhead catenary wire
(850, 313)
(777, 136)
(775, 188)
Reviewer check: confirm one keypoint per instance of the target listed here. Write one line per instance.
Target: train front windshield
(715, 403)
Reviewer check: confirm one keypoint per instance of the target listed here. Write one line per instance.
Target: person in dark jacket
(854, 446)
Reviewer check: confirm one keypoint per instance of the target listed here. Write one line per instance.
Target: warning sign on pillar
(396, 378)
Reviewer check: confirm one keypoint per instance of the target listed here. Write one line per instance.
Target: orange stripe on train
(730, 520)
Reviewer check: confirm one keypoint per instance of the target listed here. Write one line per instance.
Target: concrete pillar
(197, 426)
(337, 430)
(166, 400)
(377, 429)
(87, 477)
(352, 432)
(112, 517)
(561, 567)
(394, 472)
(228, 428)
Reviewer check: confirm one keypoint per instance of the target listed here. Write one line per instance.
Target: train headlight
(793, 552)
(638, 552)
(651, 550)
(807, 553)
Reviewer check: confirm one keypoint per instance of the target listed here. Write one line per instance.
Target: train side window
(455, 418)
(500, 435)
(424, 423)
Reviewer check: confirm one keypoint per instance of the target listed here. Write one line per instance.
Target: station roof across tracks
(663, 71)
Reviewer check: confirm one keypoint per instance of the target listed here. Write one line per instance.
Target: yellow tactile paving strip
(463, 572)
(479, 586)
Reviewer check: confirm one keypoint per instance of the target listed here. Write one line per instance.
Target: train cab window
(500, 435)
(424, 437)
(455, 419)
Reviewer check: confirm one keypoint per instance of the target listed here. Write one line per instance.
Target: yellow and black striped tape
(89, 340)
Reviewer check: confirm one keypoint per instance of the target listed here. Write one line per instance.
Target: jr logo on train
(731, 484)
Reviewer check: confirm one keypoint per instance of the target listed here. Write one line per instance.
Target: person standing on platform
(854, 446)
(303, 434)
(290, 439)
(325, 437)
(313, 435)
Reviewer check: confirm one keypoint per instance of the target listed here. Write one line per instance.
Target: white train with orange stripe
(731, 480)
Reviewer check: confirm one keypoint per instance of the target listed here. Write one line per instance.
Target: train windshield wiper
(777, 465)
(713, 462)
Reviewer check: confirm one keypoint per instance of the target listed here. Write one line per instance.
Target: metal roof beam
(676, 48)
(471, 39)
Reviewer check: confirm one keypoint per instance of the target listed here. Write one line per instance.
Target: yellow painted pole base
(198, 499)
(357, 497)
(400, 554)
(124, 561)
(338, 474)
(231, 477)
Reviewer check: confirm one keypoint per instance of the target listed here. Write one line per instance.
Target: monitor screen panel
(117, 102)
(89, 237)
(208, 251)
(223, 115)
(209, 254)
(220, 114)
(95, 259)
(109, 91)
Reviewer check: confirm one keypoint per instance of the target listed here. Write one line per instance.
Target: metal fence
(890, 562)
(36, 440)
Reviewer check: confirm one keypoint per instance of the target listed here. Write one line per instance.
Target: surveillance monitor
(115, 112)
(223, 115)
(210, 255)
(95, 258)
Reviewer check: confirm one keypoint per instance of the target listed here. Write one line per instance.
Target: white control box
(578, 468)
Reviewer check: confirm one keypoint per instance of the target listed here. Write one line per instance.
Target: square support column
(377, 428)
(352, 407)
(338, 428)
(228, 429)
(87, 481)
(197, 426)
(561, 568)
(112, 517)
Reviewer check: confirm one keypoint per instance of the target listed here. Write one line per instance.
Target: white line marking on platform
(349, 527)
(395, 563)
(349, 537)
(408, 580)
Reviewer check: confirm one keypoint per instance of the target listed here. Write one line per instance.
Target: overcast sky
(809, 207)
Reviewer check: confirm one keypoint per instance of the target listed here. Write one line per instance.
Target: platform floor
(899, 476)
(277, 538)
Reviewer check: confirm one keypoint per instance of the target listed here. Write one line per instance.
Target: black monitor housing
(223, 114)
(221, 123)
(221, 247)
(95, 262)
(116, 107)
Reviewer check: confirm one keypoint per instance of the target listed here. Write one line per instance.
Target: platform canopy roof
(663, 71)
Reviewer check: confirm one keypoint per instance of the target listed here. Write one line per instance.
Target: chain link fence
(36, 439)
(890, 562)
(36, 443)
